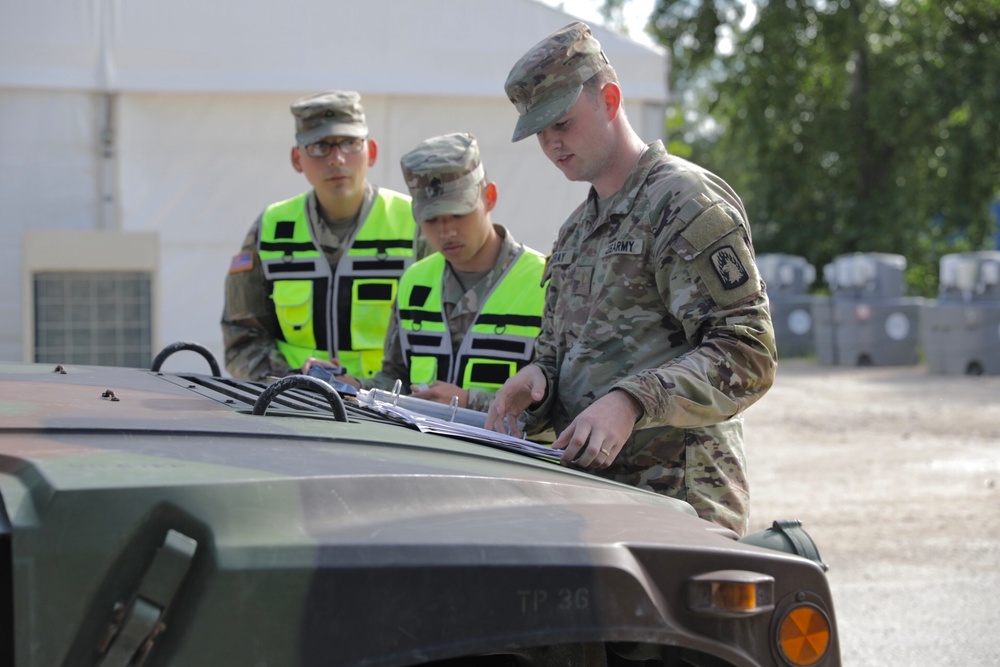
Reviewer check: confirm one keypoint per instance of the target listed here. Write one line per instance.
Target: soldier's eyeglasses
(347, 146)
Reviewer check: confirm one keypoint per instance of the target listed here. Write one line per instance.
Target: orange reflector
(804, 635)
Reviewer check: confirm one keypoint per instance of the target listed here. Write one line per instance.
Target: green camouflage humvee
(154, 518)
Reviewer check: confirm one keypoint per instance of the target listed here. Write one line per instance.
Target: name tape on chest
(561, 257)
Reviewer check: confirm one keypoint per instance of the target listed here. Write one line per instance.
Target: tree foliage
(846, 125)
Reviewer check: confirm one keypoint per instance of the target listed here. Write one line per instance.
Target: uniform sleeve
(539, 417)
(480, 399)
(709, 281)
(249, 324)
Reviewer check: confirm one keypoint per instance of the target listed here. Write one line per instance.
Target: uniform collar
(623, 201)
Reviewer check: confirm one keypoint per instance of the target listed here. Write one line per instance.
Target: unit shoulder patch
(728, 267)
(728, 271)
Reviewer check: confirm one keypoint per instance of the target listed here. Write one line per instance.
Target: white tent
(148, 135)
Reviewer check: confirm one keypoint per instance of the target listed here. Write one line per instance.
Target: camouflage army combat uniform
(461, 306)
(659, 296)
(303, 286)
(653, 291)
(468, 326)
(249, 323)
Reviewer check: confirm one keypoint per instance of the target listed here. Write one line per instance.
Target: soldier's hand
(595, 437)
(333, 370)
(514, 397)
(314, 361)
(441, 392)
(351, 380)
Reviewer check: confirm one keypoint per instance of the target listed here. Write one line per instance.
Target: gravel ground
(895, 473)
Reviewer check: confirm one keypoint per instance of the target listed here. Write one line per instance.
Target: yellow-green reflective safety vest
(502, 336)
(343, 312)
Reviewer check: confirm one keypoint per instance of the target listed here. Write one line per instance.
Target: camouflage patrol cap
(335, 113)
(548, 79)
(444, 175)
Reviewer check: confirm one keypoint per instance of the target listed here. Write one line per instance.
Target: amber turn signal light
(728, 593)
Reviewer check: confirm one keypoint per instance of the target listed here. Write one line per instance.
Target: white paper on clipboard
(415, 413)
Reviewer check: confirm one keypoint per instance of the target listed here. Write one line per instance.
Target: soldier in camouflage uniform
(467, 316)
(316, 274)
(656, 334)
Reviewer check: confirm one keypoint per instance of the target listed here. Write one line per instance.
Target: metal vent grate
(244, 394)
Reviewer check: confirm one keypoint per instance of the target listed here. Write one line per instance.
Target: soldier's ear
(296, 159)
(372, 152)
(490, 195)
(611, 95)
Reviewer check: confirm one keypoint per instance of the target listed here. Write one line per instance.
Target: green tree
(846, 125)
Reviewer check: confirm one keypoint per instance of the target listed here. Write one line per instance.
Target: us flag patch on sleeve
(241, 262)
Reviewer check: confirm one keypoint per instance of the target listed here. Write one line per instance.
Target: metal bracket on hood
(133, 629)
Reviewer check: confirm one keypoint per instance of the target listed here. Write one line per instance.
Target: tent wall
(48, 182)
(200, 168)
(200, 130)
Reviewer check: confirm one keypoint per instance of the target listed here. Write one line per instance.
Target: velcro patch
(241, 262)
(709, 227)
(693, 208)
(623, 247)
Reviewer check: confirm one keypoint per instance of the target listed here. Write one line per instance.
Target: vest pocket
(361, 363)
(423, 369)
(371, 310)
(293, 304)
(487, 374)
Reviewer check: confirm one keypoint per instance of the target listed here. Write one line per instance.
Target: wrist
(633, 404)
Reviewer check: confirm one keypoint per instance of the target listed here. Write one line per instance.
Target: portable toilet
(788, 278)
(961, 329)
(867, 320)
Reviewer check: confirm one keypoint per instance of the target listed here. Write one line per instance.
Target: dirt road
(896, 475)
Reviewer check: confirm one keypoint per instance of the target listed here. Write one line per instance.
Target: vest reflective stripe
(312, 320)
(500, 340)
(423, 332)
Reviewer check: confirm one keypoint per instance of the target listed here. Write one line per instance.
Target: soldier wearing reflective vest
(318, 274)
(466, 316)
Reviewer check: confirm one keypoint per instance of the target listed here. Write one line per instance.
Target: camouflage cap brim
(544, 115)
(546, 82)
(461, 203)
(335, 128)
